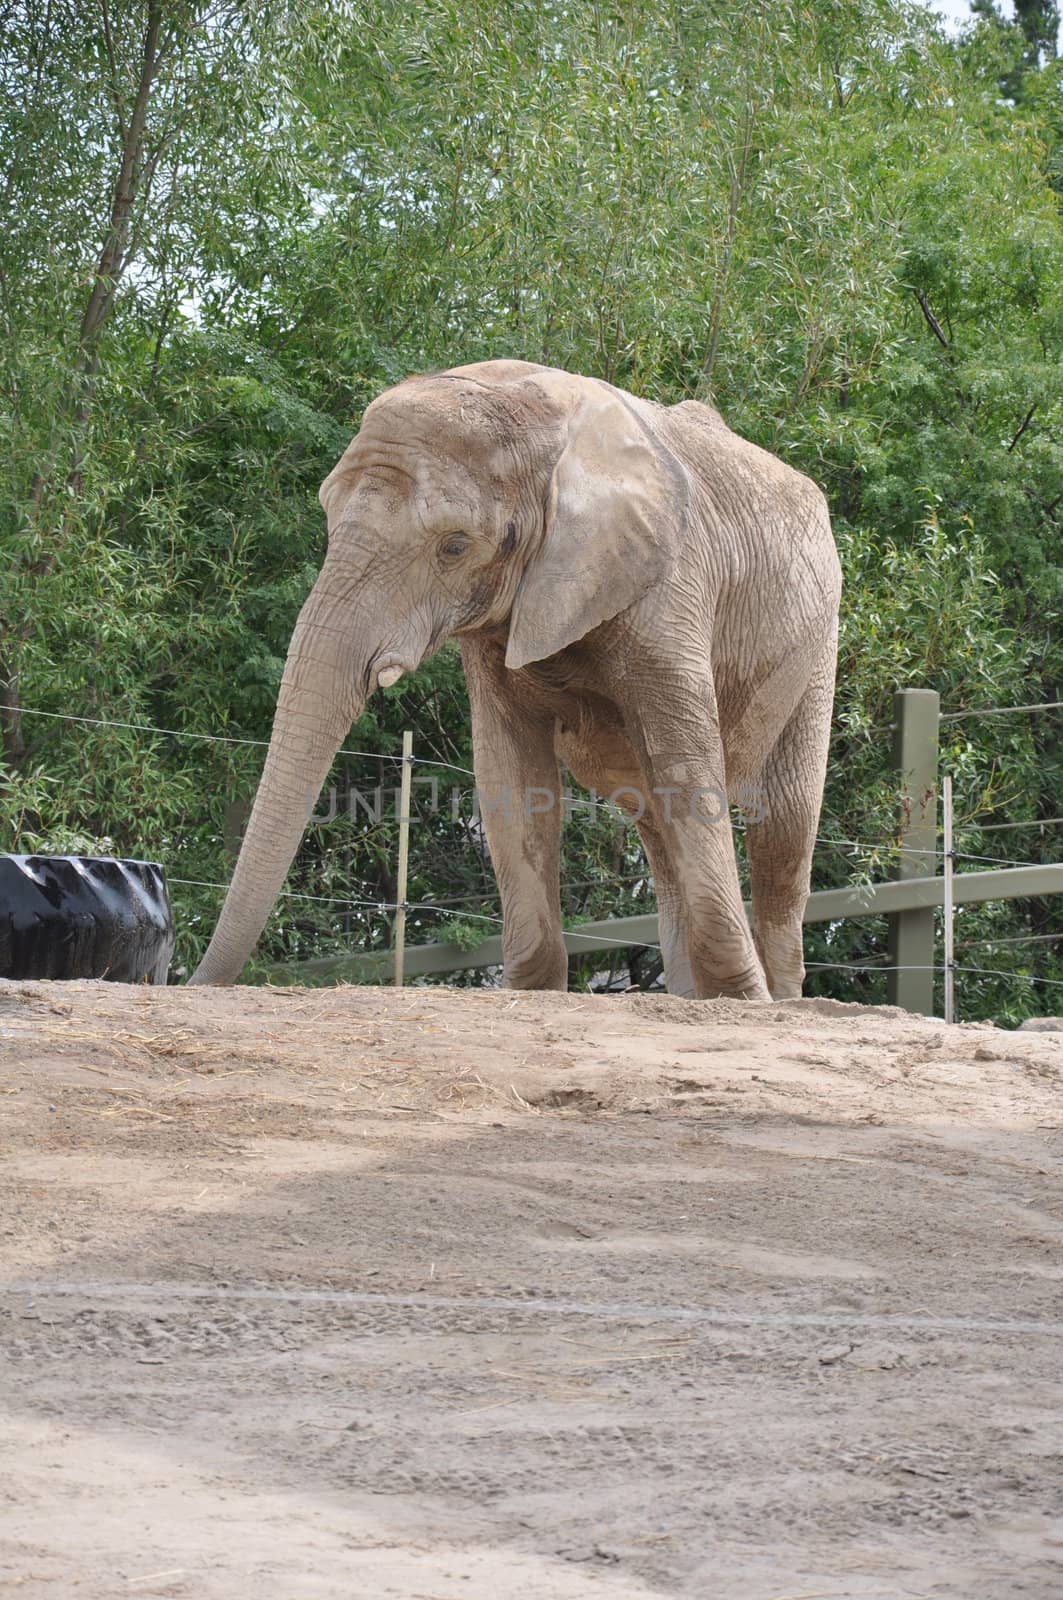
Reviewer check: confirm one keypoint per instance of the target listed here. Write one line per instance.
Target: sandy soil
(447, 1295)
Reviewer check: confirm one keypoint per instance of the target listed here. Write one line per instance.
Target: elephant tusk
(388, 677)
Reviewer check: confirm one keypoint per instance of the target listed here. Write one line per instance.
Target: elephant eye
(455, 544)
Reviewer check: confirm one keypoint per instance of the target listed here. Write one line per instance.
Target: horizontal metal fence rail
(908, 903)
(826, 905)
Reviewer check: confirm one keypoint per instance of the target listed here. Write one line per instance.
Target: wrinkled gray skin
(637, 592)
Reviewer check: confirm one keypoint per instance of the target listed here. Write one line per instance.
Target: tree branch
(111, 261)
(736, 194)
(112, 61)
(1023, 425)
(931, 321)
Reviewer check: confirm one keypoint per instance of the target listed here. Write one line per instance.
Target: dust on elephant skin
(638, 592)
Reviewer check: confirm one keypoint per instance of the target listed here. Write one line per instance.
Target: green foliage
(467, 935)
(827, 218)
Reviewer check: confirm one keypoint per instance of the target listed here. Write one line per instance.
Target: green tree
(225, 231)
(1036, 23)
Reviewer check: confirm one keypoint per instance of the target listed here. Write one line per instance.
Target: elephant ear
(612, 524)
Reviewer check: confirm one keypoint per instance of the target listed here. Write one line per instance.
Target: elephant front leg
(518, 789)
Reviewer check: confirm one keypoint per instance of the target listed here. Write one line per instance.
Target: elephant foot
(544, 969)
(750, 986)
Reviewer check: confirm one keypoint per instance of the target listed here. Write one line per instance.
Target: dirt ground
(456, 1295)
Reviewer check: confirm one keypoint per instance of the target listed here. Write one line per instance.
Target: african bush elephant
(637, 592)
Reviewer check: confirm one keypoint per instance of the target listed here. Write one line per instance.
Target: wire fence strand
(222, 738)
(959, 968)
(999, 711)
(903, 849)
(383, 907)
(450, 766)
(1012, 827)
(1018, 938)
(1024, 977)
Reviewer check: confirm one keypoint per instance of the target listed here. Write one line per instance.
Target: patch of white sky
(957, 13)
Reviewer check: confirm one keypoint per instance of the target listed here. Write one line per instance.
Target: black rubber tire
(84, 917)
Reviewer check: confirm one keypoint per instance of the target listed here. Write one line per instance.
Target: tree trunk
(112, 262)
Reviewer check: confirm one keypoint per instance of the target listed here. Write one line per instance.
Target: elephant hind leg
(678, 976)
(780, 845)
(685, 774)
(609, 766)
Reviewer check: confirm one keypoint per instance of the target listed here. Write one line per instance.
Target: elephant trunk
(322, 692)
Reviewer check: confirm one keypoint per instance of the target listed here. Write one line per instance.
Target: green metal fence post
(911, 933)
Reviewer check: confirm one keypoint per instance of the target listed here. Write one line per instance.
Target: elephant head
(501, 495)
